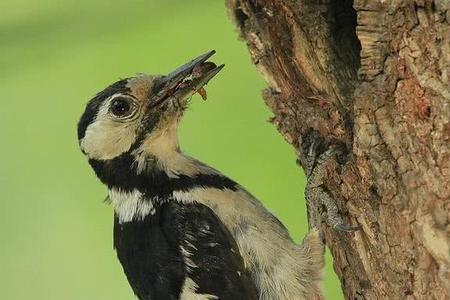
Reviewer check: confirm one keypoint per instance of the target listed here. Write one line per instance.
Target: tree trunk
(373, 74)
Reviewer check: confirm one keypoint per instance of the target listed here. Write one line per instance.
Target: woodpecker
(183, 230)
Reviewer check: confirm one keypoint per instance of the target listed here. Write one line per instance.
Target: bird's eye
(121, 107)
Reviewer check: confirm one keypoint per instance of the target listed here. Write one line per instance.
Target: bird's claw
(317, 196)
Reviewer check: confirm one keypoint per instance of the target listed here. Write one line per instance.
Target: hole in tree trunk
(240, 16)
(343, 28)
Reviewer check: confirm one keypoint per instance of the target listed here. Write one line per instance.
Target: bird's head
(141, 113)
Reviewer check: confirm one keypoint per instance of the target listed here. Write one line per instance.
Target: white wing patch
(190, 265)
(130, 205)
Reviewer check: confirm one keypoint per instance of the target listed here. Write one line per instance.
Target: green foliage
(56, 231)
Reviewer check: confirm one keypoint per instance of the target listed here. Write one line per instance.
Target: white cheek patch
(106, 139)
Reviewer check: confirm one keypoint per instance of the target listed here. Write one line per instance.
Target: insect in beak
(187, 80)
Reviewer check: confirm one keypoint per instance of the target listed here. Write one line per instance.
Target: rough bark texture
(373, 74)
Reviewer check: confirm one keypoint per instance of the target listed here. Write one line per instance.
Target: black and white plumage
(183, 230)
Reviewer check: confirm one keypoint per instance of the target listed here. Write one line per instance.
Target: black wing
(178, 247)
(209, 251)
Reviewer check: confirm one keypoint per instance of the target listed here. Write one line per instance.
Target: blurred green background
(55, 230)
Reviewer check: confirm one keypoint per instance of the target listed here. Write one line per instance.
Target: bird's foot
(321, 206)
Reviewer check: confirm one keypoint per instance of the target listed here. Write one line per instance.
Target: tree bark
(373, 74)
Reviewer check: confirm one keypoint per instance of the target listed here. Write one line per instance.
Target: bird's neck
(135, 195)
(161, 147)
(139, 181)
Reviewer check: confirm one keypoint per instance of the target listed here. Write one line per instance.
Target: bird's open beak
(187, 79)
